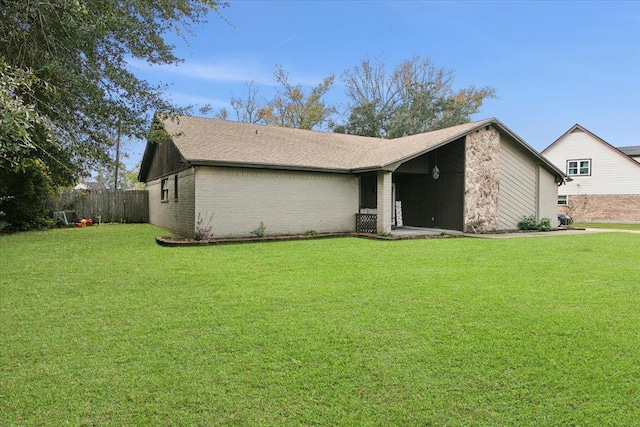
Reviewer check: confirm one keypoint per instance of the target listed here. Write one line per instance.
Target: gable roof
(204, 141)
(577, 127)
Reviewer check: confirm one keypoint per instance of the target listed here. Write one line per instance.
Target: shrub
(25, 194)
(311, 233)
(260, 231)
(203, 229)
(531, 223)
(545, 224)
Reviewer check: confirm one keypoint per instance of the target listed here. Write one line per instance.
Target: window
(175, 188)
(562, 200)
(579, 167)
(164, 190)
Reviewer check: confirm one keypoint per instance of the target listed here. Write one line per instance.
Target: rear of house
(473, 177)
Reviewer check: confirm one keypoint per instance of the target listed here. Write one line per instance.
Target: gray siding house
(477, 176)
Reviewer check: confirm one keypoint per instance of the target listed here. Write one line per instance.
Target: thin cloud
(285, 41)
(222, 71)
(230, 72)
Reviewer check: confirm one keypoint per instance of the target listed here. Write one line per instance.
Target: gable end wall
(611, 171)
(518, 186)
(176, 216)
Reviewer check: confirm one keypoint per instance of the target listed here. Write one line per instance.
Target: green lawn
(607, 225)
(101, 326)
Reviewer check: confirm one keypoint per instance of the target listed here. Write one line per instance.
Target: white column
(384, 202)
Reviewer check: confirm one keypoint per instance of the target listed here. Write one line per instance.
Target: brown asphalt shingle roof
(213, 141)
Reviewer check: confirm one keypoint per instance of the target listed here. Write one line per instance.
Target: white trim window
(580, 167)
(164, 190)
(563, 200)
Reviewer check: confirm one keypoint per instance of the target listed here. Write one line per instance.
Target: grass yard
(101, 326)
(607, 225)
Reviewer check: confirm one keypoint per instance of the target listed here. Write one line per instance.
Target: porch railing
(366, 223)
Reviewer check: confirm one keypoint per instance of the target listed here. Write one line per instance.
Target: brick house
(476, 176)
(605, 180)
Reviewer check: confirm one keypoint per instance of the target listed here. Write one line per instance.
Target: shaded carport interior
(426, 201)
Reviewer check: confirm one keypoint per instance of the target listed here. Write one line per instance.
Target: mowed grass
(100, 326)
(617, 226)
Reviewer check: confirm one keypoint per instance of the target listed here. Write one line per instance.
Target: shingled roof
(204, 141)
(633, 150)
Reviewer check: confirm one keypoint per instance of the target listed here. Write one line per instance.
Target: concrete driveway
(560, 232)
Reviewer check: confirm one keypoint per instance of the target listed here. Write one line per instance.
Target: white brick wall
(176, 215)
(288, 202)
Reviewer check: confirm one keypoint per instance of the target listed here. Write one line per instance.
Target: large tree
(65, 86)
(416, 96)
(290, 107)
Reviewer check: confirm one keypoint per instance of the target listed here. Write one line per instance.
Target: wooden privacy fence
(105, 205)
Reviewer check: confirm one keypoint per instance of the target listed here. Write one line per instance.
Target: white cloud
(219, 71)
(230, 71)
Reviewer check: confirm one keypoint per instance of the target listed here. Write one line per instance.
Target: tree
(416, 97)
(64, 81)
(248, 110)
(291, 107)
(21, 124)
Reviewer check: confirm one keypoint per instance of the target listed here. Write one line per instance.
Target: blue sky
(553, 64)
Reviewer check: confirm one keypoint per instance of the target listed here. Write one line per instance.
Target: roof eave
(596, 137)
(553, 168)
(274, 166)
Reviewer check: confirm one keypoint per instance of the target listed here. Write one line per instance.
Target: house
(476, 176)
(92, 186)
(605, 184)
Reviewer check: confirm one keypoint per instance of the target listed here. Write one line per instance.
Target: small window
(562, 200)
(579, 167)
(175, 188)
(164, 190)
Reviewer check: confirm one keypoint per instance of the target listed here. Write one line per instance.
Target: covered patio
(421, 193)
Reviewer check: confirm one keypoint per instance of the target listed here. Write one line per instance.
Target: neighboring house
(93, 186)
(605, 182)
(476, 176)
(632, 151)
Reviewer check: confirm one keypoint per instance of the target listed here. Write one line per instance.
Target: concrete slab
(407, 231)
(559, 232)
(419, 231)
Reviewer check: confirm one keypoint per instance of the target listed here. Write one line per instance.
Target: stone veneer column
(384, 202)
(482, 175)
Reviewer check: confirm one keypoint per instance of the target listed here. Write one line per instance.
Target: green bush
(545, 224)
(25, 194)
(260, 231)
(531, 223)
